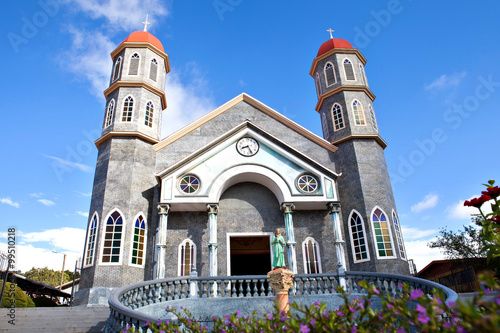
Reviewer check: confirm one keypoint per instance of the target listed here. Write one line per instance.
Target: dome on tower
(334, 43)
(144, 37)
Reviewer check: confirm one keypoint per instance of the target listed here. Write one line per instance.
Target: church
(208, 198)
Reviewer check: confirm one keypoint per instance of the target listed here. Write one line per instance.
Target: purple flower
(446, 324)
(127, 328)
(317, 303)
(313, 321)
(304, 329)
(340, 314)
(158, 323)
(416, 293)
(487, 291)
(460, 329)
(401, 330)
(423, 318)
(162, 331)
(354, 329)
(270, 317)
(238, 313)
(390, 306)
(376, 291)
(421, 309)
(182, 307)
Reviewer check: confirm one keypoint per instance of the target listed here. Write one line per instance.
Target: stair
(78, 319)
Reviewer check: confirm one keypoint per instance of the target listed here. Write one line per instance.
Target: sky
(433, 66)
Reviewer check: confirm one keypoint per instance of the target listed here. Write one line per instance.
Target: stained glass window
(112, 238)
(358, 112)
(148, 121)
(357, 231)
(187, 257)
(139, 241)
(109, 113)
(128, 107)
(338, 119)
(307, 184)
(329, 74)
(91, 237)
(189, 184)
(312, 259)
(399, 236)
(382, 234)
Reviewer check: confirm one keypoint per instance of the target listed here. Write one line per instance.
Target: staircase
(77, 319)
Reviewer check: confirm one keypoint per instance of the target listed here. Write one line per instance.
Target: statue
(278, 243)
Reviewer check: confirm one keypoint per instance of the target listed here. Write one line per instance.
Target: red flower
(492, 191)
(477, 202)
(496, 220)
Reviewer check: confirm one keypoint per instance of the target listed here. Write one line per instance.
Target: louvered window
(116, 69)
(329, 74)
(153, 71)
(349, 70)
(134, 65)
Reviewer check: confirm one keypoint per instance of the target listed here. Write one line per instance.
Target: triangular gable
(218, 165)
(256, 104)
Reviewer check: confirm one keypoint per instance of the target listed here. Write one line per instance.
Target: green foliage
(21, 300)
(44, 302)
(49, 276)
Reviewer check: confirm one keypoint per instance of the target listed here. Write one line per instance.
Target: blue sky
(433, 66)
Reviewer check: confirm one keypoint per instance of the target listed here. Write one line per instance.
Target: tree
(49, 276)
(462, 244)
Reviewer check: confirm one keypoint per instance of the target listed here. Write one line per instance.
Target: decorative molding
(111, 134)
(287, 207)
(333, 207)
(141, 84)
(333, 51)
(163, 209)
(364, 89)
(142, 45)
(375, 137)
(213, 208)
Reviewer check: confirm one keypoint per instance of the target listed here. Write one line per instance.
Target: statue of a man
(278, 243)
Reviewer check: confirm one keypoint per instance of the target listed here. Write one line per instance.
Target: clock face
(247, 146)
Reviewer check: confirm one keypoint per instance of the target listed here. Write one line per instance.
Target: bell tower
(345, 106)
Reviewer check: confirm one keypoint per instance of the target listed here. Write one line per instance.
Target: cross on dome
(146, 23)
(330, 31)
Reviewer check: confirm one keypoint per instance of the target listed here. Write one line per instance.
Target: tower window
(349, 70)
(148, 120)
(134, 64)
(363, 74)
(329, 74)
(139, 241)
(109, 113)
(113, 238)
(187, 257)
(338, 119)
(399, 236)
(372, 115)
(91, 237)
(116, 69)
(128, 107)
(312, 259)
(325, 126)
(153, 69)
(358, 240)
(382, 234)
(358, 112)
(318, 85)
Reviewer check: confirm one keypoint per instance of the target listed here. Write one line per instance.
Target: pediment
(289, 174)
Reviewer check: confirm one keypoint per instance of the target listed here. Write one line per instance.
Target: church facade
(208, 198)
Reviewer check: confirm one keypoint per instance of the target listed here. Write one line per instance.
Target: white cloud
(459, 211)
(83, 194)
(84, 214)
(421, 253)
(69, 164)
(8, 201)
(429, 201)
(37, 195)
(46, 202)
(62, 239)
(410, 233)
(445, 81)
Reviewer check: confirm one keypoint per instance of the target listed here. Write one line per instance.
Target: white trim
(353, 72)
(118, 60)
(103, 235)
(354, 211)
(399, 236)
(306, 267)
(375, 237)
(341, 117)
(138, 65)
(107, 114)
(95, 242)
(193, 255)
(326, 78)
(244, 234)
(123, 106)
(362, 112)
(132, 240)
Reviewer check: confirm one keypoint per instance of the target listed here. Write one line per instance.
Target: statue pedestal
(281, 279)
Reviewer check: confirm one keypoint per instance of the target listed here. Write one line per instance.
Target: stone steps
(62, 319)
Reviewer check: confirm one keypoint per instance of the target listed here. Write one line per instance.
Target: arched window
(358, 240)
(139, 241)
(133, 69)
(113, 238)
(187, 257)
(153, 69)
(109, 113)
(382, 234)
(318, 85)
(148, 120)
(338, 119)
(312, 259)
(329, 74)
(91, 237)
(363, 74)
(325, 126)
(128, 108)
(372, 115)
(399, 236)
(358, 112)
(349, 70)
(116, 69)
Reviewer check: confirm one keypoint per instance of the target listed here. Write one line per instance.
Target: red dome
(334, 43)
(144, 37)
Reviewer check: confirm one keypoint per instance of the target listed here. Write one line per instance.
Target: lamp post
(62, 272)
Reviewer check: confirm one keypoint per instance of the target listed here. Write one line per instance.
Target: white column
(212, 240)
(338, 239)
(287, 209)
(161, 240)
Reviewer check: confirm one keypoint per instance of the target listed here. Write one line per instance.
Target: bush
(44, 302)
(21, 299)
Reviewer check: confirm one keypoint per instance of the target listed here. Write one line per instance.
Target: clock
(247, 146)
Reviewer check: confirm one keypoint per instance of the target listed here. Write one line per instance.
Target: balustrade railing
(124, 302)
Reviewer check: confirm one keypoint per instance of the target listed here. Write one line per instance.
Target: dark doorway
(250, 255)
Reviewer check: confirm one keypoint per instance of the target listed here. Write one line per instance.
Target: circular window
(307, 184)
(189, 184)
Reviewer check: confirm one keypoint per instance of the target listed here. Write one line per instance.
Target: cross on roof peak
(146, 23)
(330, 31)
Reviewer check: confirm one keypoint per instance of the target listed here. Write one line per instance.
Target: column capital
(163, 209)
(287, 207)
(213, 208)
(333, 207)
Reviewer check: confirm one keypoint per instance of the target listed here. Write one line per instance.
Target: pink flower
(416, 293)
(304, 329)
